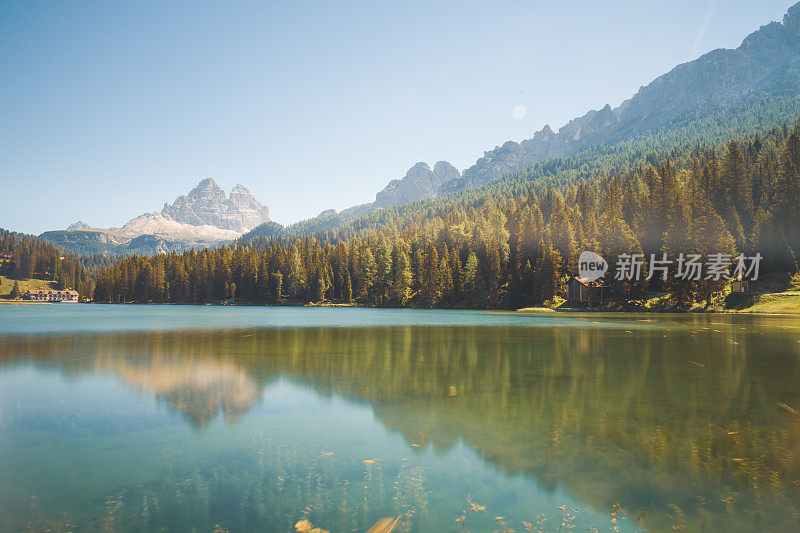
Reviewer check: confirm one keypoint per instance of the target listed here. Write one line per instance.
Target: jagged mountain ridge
(766, 63)
(207, 204)
(79, 225)
(204, 217)
(419, 183)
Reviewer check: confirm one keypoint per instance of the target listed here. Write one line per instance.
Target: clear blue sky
(109, 109)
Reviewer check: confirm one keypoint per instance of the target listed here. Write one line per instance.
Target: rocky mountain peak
(445, 172)
(208, 189)
(241, 196)
(791, 21)
(79, 225)
(418, 183)
(207, 183)
(207, 204)
(767, 62)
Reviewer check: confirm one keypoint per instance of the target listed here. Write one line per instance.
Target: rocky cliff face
(420, 182)
(768, 61)
(207, 204)
(204, 217)
(79, 225)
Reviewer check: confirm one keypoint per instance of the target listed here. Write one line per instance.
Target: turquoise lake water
(184, 418)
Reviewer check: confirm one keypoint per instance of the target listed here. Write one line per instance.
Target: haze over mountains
(203, 217)
(420, 182)
(766, 65)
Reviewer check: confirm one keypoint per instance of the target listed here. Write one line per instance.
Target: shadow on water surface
(696, 429)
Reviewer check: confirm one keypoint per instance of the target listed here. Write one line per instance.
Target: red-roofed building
(48, 295)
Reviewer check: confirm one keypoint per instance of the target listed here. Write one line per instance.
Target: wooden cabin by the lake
(588, 292)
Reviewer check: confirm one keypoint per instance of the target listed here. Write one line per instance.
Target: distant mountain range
(420, 182)
(766, 65)
(204, 217)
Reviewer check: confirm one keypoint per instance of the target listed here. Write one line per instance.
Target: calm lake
(180, 418)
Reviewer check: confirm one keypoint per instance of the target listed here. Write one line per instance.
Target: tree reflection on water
(694, 426)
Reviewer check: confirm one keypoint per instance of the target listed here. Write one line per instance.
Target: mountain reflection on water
(695, 429)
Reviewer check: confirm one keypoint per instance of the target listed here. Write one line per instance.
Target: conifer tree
(429, 276)
(274, 294)
(401, 285)
(470, 283)
(16, 291)
(445, 278)
(547, 281)
(347, 294)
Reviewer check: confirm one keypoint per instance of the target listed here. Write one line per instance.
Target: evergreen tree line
(36, 258)
(510, 249)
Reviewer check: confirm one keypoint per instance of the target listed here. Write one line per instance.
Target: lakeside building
(589, 292)
(740, 285)
(48, 295)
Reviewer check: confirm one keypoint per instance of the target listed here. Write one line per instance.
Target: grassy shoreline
(770, 304)
(785, 303)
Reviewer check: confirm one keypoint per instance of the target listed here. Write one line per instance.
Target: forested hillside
(753, 114)
(515, 242)
(724, 92)
(34, 258)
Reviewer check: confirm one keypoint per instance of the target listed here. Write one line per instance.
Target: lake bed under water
(181, 418)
